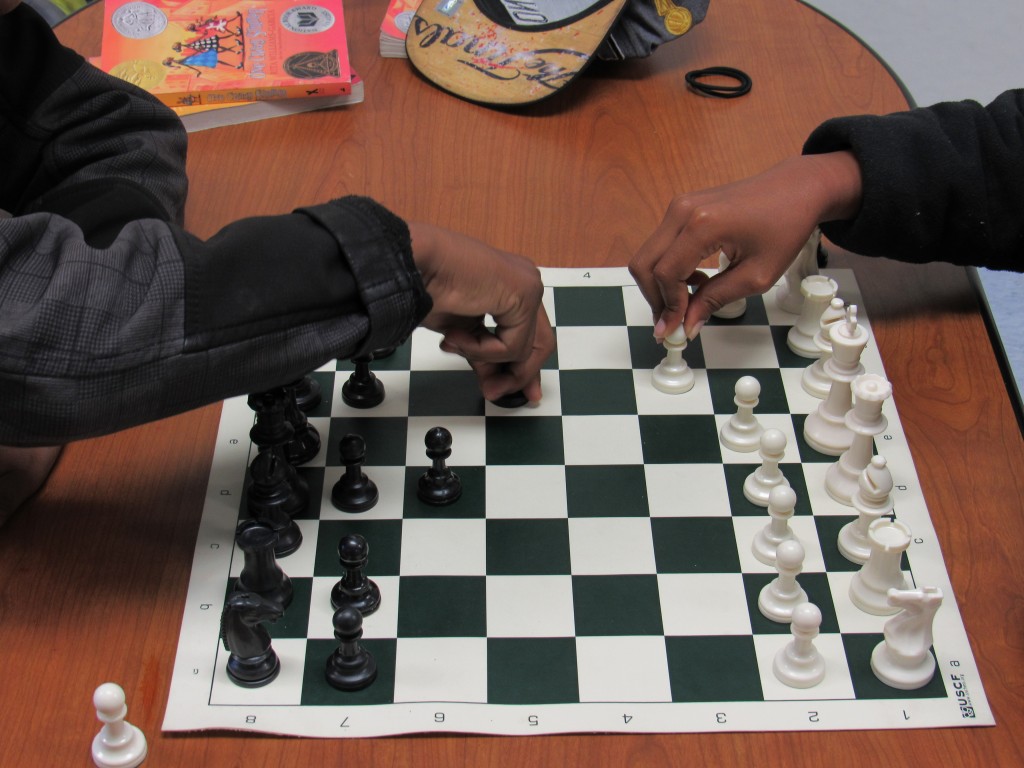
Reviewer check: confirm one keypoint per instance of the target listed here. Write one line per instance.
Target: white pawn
(672, 375)
(799, 665)
(788, 297)
(869, 588)
(119, 744)
(825, 428)
(733, 309)
(780, 597)
(760, 482)
(865, 421)
(818, 291)
(781, 505)
(903, 660)
(814, 380)
(872, 501)
(742, 432)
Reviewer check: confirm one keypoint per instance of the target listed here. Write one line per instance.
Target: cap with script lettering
(507, 52)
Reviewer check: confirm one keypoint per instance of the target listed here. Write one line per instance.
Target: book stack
(394, 27)
(221, 62)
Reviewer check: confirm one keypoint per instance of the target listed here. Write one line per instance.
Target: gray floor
(946, 50)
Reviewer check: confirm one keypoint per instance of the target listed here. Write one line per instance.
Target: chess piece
(354, 491)
(865, 421)
(788, 297)
(308, 394)
(742, 432)
(363, 389)
(260, 572)
(439, 485)
(305, 442)
(825, 428)
(869, 588)
(760, 482)
(351, 667)
(252, 662)
(798, 664)
(814, 380)
(673, 375)
(354, 589)
(733, 309)
(903, 659)
(780, 597)
(272, 500)
(273, 432)
(119, 744)
(781, 504)
(872, 501)
(818, 291)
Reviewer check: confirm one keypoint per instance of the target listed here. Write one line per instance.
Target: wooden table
(94, 572)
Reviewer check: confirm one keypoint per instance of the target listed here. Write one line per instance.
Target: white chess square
(599, 545)
(653, 401)
(611, 440)
(603, 676)
(775, 315)
(469, 440)
(530, 606)
(396, 396)
(638, 311)
(738, 346)
(780, 421)
(286, 689)
(441, 669)
(444, 547)
(521, 491)
(703, 604)
(687, 490)
(821, 503)
(582, 347)
(390, 482)
(798, 398)
(836, 684)
(426, 354)
(803, 528)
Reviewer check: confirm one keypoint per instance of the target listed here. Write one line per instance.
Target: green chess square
(695, 545)
(524, 440)
(807, 454)
(445, 393)
(442, 606)
(385, 439)
(317, 692)
(818, 592)
(866, 685)
(617, 605)
(528, 547)
(532, 671)
(708, 668)
(787, 357)
(589, 306)
(326, 381)
(680, 439)
(397, 360)
(723, 389)
(383, 537)
(471, 504)
(597, 392)
(828, 534)
(606, 491)
(736, 475)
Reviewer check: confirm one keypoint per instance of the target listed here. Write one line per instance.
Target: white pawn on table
(119, 744)
(673, 375)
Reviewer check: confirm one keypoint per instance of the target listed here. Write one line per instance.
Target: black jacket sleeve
(111, 313)
(942, 183)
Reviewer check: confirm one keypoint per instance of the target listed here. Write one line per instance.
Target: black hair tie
(694, 79)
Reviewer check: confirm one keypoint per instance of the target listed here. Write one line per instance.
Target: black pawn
(271, 500)
(438, 485)
(351, 667)
(354, 491)
(355, 590)
(253, 662)
(261, 573)
(308, 394)
(272, 426)
(363, 389)
(305, 442)
(512, 400)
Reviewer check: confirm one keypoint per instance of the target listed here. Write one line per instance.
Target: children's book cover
(191, 52)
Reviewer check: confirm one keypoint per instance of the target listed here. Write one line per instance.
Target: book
(202, 52)
(207, 116)
(395, 26)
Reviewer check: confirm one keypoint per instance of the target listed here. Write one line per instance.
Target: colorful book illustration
(197, 52)
(394, 27)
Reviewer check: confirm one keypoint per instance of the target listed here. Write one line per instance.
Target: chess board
(596, 574)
